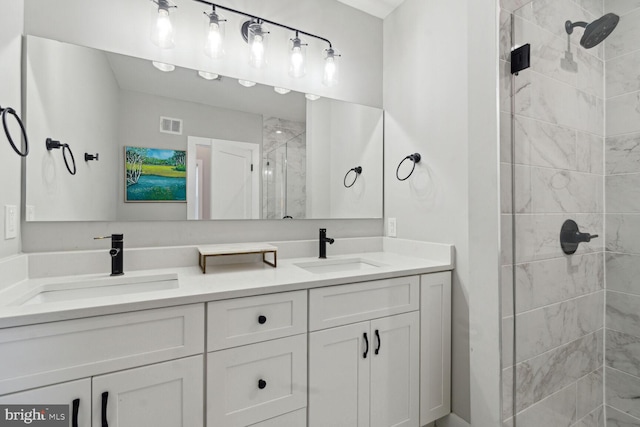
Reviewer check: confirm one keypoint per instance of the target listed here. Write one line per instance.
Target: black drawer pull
(74, 416)
(262, 319)
(105, 398)
(379, 342)
(366, 341)
(262, 384)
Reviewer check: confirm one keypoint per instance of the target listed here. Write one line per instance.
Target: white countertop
(220, 282)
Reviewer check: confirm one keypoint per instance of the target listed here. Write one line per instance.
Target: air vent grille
(171, 125)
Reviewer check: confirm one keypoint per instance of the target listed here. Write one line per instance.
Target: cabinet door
(435, 353)
(166, 394)
(339, 376)
(74, 393)
(395, 371)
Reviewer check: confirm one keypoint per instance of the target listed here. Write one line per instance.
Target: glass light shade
(246, 83)
(281, 90)
(257, 39)
(297, 59)
(162, 30)
(163, 66)
(311, 97)
(214, 47)
(207, 75)
(330, 77)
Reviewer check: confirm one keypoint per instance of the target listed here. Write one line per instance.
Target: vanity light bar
(265, 21)
(257, 47)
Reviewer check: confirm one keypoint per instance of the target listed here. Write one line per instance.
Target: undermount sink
(337, 265)
(99, 287)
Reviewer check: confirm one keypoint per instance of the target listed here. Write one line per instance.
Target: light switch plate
(31, 213)
(10, 222)
(391, 227)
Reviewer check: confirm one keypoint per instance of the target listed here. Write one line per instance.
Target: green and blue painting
(155, 175)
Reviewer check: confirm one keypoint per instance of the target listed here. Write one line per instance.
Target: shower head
(596, 31)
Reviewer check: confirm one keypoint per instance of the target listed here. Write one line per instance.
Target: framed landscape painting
(155, 175)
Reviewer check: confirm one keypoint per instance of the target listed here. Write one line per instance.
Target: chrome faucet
(116, 252)
(323, 242)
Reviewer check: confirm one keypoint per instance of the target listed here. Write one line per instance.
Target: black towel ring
(357, 170)
(4, 112)
(51, 144)
(415, 158)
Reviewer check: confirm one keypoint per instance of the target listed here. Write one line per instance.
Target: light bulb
(162, 66)
(257, 40)
(214, 48)
(162, 32)
(257, 52)
(297, 68)
(207, 75)
(246, 83)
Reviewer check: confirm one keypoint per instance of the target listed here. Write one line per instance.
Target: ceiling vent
(171, 125)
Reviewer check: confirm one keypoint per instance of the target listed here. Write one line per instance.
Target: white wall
(11, 23)
(342, 136)
(439, 101)
(122, 26)
(139, 125)
(72, 97)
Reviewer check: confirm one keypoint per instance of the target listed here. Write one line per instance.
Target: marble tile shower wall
(284, 160)
(558, 135)
(622, 218)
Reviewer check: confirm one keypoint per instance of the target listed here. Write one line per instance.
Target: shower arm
(569, 26)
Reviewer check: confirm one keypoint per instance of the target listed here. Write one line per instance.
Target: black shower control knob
(262, 384)
(262, 319)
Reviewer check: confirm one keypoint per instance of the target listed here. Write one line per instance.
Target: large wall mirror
(184, 145)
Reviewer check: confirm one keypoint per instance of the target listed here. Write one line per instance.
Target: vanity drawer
(250, 384)
(48, 353)
(249, 320)
(341, 305)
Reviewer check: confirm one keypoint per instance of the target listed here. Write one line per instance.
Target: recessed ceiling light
(311, 97)
(246, 83)
(281, 90)
(207, 75)
(163, 66)
(278, 131)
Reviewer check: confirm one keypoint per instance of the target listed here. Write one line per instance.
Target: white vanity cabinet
(257, 374)
(139, 369)
(365, 373)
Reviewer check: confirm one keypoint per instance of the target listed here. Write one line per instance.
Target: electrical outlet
(10, 222)
(391, 227)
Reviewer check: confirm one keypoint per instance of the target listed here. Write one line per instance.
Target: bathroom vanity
(311, 342)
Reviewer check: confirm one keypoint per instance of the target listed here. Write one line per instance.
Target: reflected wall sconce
(415, 158)
(162, 28)
(256, 34)
(66, 151)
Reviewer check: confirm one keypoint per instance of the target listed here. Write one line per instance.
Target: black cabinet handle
(262, 384)
(74, 416)
(105, 398)
(262, 319)
(379, 342)
(366, 341)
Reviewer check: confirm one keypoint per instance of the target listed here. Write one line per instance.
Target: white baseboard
(451, 420)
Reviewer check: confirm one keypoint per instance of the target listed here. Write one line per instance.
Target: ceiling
(379, 8)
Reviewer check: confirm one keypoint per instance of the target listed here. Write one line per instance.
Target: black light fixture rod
(266, 20)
